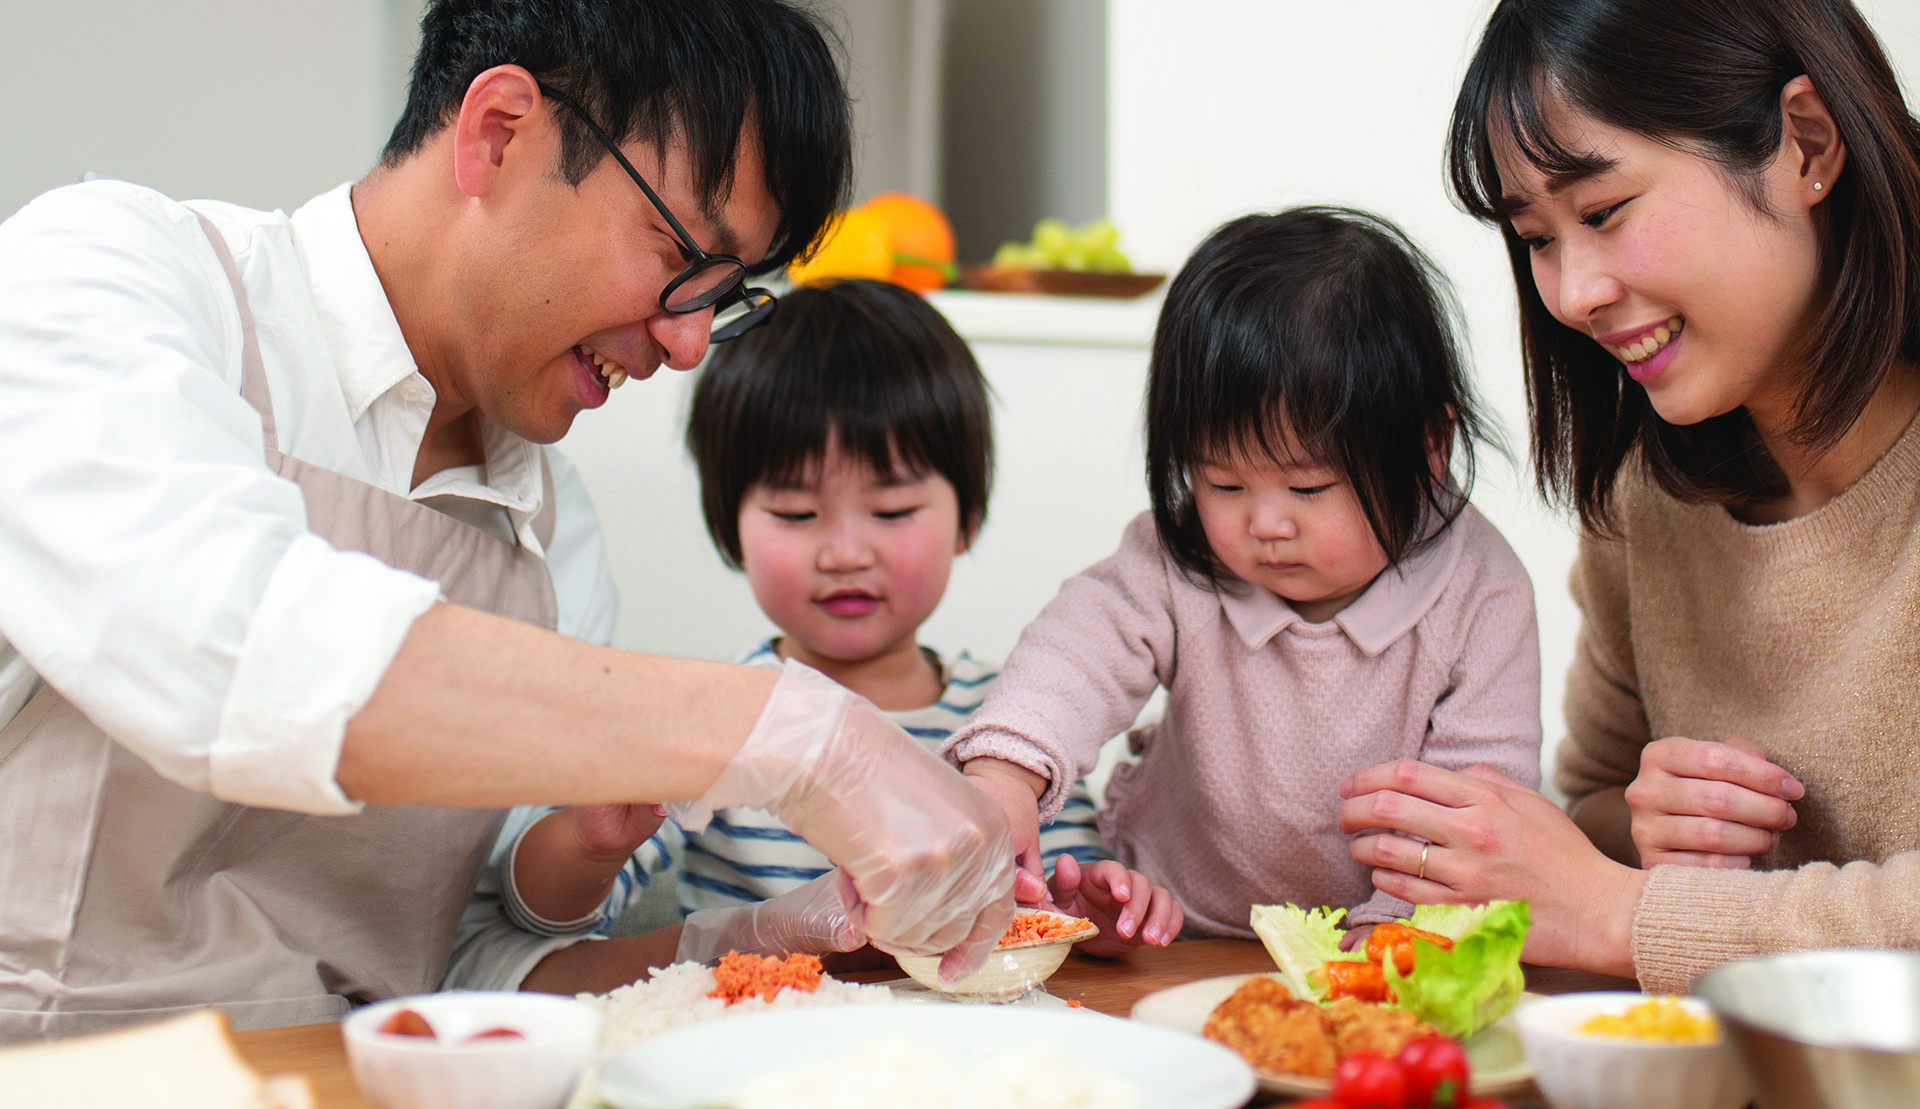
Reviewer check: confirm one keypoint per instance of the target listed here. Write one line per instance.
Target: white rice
(677, 995)
(892, 1071)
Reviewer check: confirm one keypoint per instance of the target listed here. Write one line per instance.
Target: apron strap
(253, 375)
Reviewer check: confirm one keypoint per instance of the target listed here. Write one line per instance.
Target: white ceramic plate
(704, 1065)
(1498, 1061)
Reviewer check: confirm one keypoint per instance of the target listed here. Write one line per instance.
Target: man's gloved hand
(813, 920)
(928, 854)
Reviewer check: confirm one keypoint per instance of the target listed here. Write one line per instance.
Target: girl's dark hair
(867, 366)
(1316, 332)
(696, 71)
(1703, 76)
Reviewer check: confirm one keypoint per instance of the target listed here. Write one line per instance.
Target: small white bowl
(1009, 971)
(538, 1071)
(1579, 1070)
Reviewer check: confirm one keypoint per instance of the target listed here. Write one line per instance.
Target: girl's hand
(1016, 790)
(1128, 908)
(614, 831)
(1490, 837)
(1709, 804)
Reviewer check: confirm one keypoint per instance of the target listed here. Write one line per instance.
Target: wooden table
(1106, 985)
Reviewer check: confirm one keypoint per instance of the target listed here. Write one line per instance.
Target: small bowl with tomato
(479, 1049)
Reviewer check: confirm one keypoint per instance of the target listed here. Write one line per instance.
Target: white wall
(1222, 107)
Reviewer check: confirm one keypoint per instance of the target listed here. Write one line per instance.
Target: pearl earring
(1816, 186)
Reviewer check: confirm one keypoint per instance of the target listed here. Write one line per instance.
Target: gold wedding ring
(1423, 860)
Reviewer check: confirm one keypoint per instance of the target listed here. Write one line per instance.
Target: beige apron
(124, 896)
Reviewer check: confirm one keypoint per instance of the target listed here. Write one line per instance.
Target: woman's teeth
(609, 371)
(1647, 347)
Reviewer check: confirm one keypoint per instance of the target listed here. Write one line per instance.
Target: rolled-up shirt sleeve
(157, 574)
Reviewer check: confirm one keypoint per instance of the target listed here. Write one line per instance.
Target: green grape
(1111, 260)
(1100, 236)
(1076, 257)
(1052, 238)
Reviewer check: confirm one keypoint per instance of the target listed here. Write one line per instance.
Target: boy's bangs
(893, 456)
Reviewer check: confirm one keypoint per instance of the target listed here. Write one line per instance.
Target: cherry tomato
(1437, 1073)
(1364, 1080)
(406, 1022)
(1483, 1103)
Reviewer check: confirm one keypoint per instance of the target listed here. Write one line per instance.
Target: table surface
(1106, 985)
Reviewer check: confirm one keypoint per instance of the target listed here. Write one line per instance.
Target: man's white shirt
(151, 567)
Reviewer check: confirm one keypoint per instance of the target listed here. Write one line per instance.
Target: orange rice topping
(739, 977)
(1040, 926)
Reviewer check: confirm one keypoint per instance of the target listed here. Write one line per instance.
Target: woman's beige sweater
(1803, 636)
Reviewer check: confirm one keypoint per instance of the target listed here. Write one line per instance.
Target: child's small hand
(1129, 909)
(1016, 791)
(614, 831)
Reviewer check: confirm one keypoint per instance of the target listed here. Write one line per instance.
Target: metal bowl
(1823, 1029)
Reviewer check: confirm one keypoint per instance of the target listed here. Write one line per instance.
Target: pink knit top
(1232, 801)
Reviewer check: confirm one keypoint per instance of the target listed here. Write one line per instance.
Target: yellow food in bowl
(1661, 1020)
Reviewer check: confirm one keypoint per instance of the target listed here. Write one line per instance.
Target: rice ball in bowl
(1034, 946)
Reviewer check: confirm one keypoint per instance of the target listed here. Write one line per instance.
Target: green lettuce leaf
(1463, 990)
(1301, 941)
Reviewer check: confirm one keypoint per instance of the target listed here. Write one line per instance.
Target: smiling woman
(1715, 242)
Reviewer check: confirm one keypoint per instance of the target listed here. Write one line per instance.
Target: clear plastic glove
(815, 919)
(928, 854)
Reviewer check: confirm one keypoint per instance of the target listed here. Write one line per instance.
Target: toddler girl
(1311, 586)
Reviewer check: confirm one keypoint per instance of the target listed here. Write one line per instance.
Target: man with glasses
(296, 601)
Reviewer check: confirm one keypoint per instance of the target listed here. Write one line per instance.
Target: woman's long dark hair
(1704, 76)
(1315, 332)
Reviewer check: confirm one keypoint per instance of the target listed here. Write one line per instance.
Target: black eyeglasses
(715, 281)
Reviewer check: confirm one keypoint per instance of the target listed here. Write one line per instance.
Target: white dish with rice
(910, 1054)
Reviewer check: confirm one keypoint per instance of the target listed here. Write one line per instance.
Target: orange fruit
(854, 244)
(922, 240)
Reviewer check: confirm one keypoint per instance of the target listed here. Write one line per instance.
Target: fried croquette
(1360, 1026)
(1275, 1032)
(1271, 1030)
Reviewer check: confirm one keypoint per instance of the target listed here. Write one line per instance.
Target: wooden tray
(1059, 282)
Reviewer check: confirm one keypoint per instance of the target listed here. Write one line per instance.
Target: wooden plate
(1059, 282)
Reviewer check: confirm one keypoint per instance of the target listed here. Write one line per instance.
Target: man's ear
(502, 104)
(1812, 139)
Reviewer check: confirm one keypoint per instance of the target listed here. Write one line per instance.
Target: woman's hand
(1128, 908)
(1709, 804)
(1490, 837)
